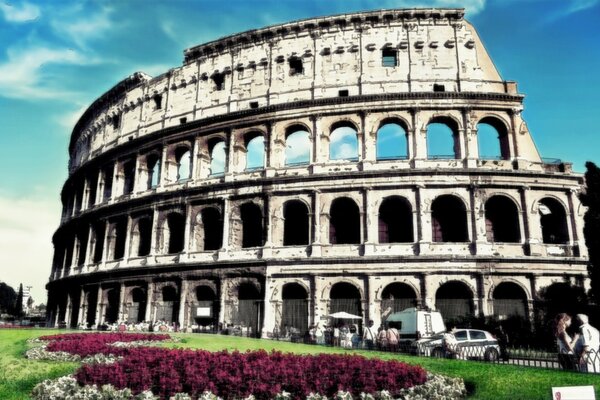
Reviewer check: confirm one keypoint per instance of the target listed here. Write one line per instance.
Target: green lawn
(485, 381)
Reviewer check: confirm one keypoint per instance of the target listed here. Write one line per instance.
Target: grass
(484, 381)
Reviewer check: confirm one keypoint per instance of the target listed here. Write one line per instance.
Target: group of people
(581, 351)
(350, 335)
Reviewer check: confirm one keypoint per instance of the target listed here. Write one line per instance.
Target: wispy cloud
(24, 13)
(471, 7)
(25, 75)
(80, 28)
(567, 8)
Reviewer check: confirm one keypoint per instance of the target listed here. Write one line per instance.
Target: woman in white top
(564, 342)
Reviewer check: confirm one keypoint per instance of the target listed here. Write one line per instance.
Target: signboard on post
(573, 393)
(203, 311)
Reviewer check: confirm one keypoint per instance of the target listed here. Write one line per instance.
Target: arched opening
(392, 143)
(395, 221)
(93, 187)
(294, 316)
(75, 306)
(112, 306)
(176, 224)
(128, 176)
(502, 220)
(116, 237)
(345, 297)
(492, 139)
(82, 239)
(98, 240)
(454, 300)
(249, 312)
(509, 300)
(144, 232)
(107, 182)
(344, 222)
(218, 158)
(442, 139)
(396, 297)
(153, 168)
(213, 228)
(252, 225)
(449, 219)
(553, 220)
(136, 309)
(168, 307)
(91, 299)
(295, 228)
(297, 146)
(183, 158)
(206, 311)
(255, 151)
(343, 142)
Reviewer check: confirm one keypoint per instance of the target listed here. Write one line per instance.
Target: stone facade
(285, 173)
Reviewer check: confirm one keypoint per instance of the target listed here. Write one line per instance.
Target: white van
(413, 323)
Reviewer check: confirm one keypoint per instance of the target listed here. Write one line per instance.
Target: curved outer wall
(142, 237)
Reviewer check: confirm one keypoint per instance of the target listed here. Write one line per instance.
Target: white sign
(203, 312)
(573, 393)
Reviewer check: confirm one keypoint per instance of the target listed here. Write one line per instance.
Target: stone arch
(205, 305)
(296, 230)
(397, 296)
(344, 221)
(395, 220)
(510, 299)
(212, 225)
(454, 299)
(136, 304)
(443, 141)
(297, 144)
(167, 306)
(111, 301)
(492, 138)
(217, 153)
(141, 236)
(152, 167)
(183, 162)
(249, 306)
(392, 140)
(449, 219)
(295, 300)
(553, 221)
(343, 141)
(502, 220)
(254, 146)
(175, 222)
(345, 296)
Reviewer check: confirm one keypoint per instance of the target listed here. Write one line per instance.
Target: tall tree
(19, 302)
(591, 230)
(8, 296)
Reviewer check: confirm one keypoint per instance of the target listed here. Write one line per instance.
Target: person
(589, 339)
(369, 336)
(502, 342)
(450, 345)
(564, 343)
(393, 336)
(382, 338)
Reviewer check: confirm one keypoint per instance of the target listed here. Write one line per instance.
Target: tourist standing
(564, 343)
(589, 338)
(369, 335)
(393, 336)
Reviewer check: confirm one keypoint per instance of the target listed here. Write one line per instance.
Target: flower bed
(87, 344)
(239, 375)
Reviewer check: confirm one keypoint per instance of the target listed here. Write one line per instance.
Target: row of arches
(201, 303)
(249, 225)
(176, 163)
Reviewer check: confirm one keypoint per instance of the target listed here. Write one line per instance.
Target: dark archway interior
(145, 236)
(509, 299)
(449, 219)
(176, 223)
(396, 297)
(120, 233)
(295, 309)
(295, 231)
(553, 220)
(252, 225)
(395, 221)
(213, 228)
(344, 226)
(502, 220)
(454, 300)
(345, 297)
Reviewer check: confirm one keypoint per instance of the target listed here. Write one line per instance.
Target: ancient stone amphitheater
(362, 162)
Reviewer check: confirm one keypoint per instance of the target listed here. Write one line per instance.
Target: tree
(19, 302)
(8, 296)
(591, 229)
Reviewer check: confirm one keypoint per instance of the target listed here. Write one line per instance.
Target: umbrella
(344, 315)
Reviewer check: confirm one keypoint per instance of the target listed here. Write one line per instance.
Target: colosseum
(363, 162)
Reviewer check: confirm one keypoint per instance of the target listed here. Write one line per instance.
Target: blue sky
(56, 57)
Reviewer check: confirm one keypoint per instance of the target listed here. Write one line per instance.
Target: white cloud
(69, 119)
(297, 147)
(24, 13)
(26, 228)
(471, 7)
(82, 29)
(25, 75)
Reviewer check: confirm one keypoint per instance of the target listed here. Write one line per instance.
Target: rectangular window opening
(343, 93)
(296, 67)
(254, 104)
(389, 58)
(438, 88)
(182, 120)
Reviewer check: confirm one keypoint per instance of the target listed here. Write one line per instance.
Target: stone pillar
(99, 317)
(270, 311)
(82, 307)
(369, 141)
(371, 222)
(149, 301)
(121, 317)
(188, 229)
(471, 154)
(316, 225)
(182, 303)
(420, 139)
(478, 225)
(128, 234)
(154, 248)
(164, 168)
(141, 175)
(226, 225)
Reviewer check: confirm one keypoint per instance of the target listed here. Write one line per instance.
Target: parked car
(471, 344)
(413, 324)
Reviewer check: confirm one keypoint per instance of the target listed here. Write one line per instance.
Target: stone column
(128, 229)
(121, 317)
(371, 221)
(182, 303)
(149, 301)
(99, 318)
(154, 248)
(82, 307)
(226, 225)
(316, 225)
